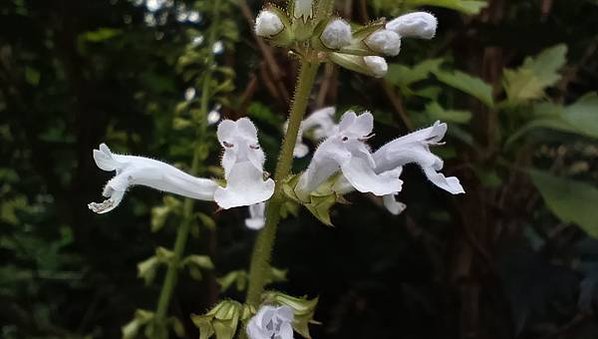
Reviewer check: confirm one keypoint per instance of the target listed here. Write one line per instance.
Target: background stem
(170, 280)
(262, 251)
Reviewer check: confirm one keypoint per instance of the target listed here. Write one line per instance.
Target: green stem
(262, 251)
(170, 280)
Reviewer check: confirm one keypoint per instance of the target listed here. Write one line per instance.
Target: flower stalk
(262, 251)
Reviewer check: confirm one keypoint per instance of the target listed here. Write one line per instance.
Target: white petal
(303, 8)
(256, 218)
(417, 25)
(268, 24)
(392, 205)
(104, 159)
(450, 184)
(225, 131)
(385, 42)
(285, 313)
(325, 162)
(361, 175)
(337, 34)
(322, 123)
(376, 65)
(286, 331)
(134, 170)
(300, 150)
(244, 186)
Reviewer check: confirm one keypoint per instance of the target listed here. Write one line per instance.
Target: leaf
(583, 115)
(32, 76)
(436, 112)
(579, 118)
(572, 201)
(469, 84)
(470, 7)
(201, 261)
(529, 81)
(402, 75)
(147, 269)
(100, 34)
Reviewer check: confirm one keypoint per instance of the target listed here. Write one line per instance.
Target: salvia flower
(243, 162)
(318, 126)
(256, 220)
(347, 152)
(337, 34)
(135, 170)
(268, 24)
(271, 322)
(414, 25)
(385, 42)
(415, 148)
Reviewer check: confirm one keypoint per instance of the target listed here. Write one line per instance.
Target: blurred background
(515, 257)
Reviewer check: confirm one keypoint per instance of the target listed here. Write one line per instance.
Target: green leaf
(529, 81)
(402, 75)
(32, 76)
(572, 201)
(436, 112)
(470, 7)
(100, 34)
(469, 84)
(147, 269)
(580, 118)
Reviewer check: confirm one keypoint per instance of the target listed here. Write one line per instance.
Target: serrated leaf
(529, 81)
(469, 84)
(572, 201)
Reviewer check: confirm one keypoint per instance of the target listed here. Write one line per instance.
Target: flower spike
(134, 170)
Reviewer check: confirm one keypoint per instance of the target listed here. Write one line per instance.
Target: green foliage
(572, 201)
(466, 6)
(471, 85)
(529, 81)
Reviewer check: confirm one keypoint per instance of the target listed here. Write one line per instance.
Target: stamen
(227, 144)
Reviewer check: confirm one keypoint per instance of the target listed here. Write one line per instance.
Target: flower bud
(417, 25)
(377, 65)
(385, 42)
(268, 24)
(337, 34)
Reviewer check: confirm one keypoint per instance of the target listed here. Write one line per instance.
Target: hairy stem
(262, 251)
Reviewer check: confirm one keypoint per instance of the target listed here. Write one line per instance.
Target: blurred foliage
(517, 256)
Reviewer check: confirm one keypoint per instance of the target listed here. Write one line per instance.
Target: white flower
(214, 115)
(243, 162)
(384, 41)
(189, 93)
(303, 8)
(318, 125)
(268, 24)
(218, 47)
(256, 220)
(337, 34)
(376, 65)
(271, 323)
(392, 205)
(133, 170)
(416, 25)
(347, 151)
(414, 148)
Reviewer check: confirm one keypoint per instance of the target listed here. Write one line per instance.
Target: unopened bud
(385, 42)
(268, 24)
(377, 65)
(417, 25)
(337, 34)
